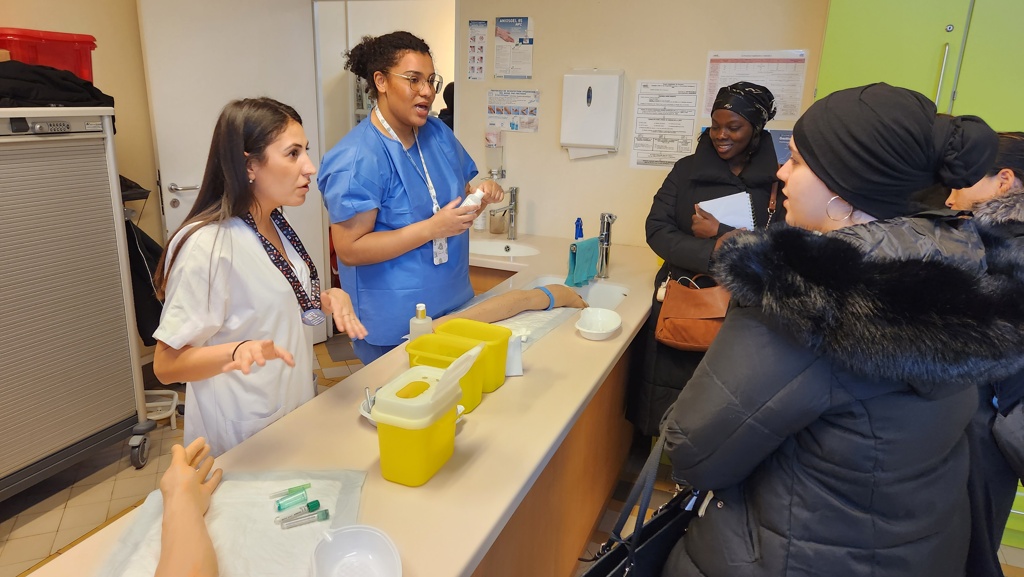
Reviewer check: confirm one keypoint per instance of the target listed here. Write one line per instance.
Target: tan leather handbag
(691, 316)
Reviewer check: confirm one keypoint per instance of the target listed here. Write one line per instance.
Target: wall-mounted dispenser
(591, 110)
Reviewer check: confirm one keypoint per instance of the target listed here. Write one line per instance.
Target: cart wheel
(140, 452)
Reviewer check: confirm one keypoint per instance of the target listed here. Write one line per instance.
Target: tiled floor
(47, 519)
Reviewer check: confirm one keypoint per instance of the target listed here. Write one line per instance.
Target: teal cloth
(582, 262)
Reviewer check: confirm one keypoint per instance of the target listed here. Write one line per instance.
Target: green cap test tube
(291, 500)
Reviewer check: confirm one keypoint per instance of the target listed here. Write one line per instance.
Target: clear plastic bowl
(598, 324)
(356, 551)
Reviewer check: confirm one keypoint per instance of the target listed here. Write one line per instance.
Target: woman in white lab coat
(238, 284)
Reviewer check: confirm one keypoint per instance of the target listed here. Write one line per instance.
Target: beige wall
(653, 39)
(117, 71)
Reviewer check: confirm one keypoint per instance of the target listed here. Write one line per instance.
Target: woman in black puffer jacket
(997, 201)
(826, 423)
(734, 155)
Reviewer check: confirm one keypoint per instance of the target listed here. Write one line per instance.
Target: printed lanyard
(440, 244)
(311, 313)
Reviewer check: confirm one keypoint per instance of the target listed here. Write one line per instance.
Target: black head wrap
(877, 145)
(751, 101)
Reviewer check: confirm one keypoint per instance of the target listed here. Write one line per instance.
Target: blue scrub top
(367, 170)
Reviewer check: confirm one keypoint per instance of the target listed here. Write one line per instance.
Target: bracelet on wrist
(236, 348)
(551, 297)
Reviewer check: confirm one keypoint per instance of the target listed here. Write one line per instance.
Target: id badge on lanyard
(440, 245)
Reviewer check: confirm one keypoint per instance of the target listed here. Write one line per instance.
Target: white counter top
(445, 527)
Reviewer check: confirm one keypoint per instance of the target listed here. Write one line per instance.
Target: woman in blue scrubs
(392, 187)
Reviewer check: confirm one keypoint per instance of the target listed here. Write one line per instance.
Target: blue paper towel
(582, 262)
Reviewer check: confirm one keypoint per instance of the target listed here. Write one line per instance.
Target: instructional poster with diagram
(513, 47)
(782, 71)
(513, 110)
(663, 126)
(477, 48)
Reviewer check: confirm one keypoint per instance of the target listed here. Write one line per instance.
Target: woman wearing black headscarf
(825, 425)
(734, 155)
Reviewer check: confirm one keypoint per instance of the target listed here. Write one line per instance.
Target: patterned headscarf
(751, 101)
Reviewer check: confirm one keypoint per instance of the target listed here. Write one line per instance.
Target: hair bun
(966, 149)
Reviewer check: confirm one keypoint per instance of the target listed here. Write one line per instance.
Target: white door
(199, 56)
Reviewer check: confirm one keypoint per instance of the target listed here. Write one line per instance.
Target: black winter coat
(839, 448)
(701, 176)
(696, 178)
(992, 484)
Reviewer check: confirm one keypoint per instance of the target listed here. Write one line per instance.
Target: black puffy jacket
(828, 417)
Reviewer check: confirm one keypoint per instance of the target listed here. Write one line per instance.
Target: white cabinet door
(200, 55)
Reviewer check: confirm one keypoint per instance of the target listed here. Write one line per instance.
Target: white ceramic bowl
(598, 324)
(356, 551)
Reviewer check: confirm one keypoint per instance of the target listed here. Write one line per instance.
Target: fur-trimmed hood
(908, 299)
(1002, 209)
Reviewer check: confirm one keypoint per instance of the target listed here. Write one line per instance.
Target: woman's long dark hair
(243, 132)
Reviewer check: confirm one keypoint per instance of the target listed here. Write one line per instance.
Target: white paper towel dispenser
(592, 108)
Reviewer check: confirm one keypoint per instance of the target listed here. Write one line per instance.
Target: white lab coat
(224, 288)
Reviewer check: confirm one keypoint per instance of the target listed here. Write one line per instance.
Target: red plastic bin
(71, 52)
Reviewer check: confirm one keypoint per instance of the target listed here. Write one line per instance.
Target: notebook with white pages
(734, 210)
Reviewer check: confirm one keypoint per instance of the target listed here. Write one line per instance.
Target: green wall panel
(991, 83)
(896, 41)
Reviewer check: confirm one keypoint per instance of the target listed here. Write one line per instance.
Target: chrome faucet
(513, 210)
(604, 242)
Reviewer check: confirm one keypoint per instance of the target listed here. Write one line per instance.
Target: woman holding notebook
(735, 156)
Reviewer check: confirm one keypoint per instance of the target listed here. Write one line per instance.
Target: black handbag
(644, 552)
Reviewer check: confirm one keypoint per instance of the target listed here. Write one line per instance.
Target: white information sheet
(513, 110)
(477, 48)
(782, 71)
(734, 210)
(513, 47)
(663, 125)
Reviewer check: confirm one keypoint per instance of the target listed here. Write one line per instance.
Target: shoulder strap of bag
(642, 491)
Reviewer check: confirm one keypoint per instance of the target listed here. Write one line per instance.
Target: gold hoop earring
(832, 218)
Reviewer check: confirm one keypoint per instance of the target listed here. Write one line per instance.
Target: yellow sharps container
(495, 337)
(415, 415)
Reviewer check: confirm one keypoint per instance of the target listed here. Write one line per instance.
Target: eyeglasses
(416, 82)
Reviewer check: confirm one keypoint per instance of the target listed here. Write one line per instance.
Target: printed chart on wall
(782, 71)
(477, 48)
(663, 126)
(513, 47)
(513, 110)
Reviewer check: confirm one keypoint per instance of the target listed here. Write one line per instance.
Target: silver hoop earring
(829, 215)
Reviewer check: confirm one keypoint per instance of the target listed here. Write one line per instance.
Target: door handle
(942, 73)
(175, 188)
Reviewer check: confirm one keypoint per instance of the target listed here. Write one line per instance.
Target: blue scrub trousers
(368, 353)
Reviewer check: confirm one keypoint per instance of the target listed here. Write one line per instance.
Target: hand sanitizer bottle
(420, 324)
(473, 199)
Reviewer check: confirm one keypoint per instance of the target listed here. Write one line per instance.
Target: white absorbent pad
(241, 524)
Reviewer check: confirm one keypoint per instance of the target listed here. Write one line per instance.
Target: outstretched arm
(189, 363)
(185, 545)
(511, 303)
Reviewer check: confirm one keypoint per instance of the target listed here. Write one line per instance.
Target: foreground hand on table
(185, 545)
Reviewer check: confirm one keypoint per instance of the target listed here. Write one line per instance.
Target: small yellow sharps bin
(415, 415)
(495, 337)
